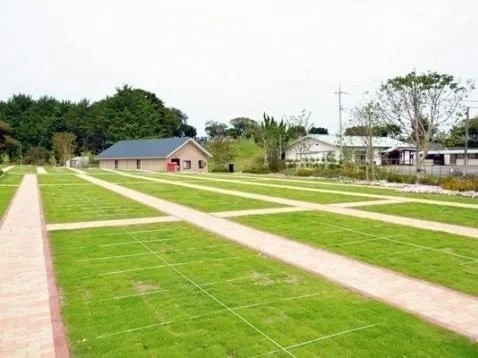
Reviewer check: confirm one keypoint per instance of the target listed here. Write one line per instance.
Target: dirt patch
(292, 280)
(145, 286)
(276, 318)
(262, 280)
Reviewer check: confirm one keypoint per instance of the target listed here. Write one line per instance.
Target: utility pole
(467, 136)
(339, 93)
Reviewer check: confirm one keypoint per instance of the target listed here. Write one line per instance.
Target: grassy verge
(67, 198)
(8, 186)
(331, 185)
(436, 257)
(445, 214)
(201, 296)
(198, 199)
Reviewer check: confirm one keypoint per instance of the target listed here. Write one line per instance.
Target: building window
(116, 164)
(138, 163)
(187, 164)
(201, 164)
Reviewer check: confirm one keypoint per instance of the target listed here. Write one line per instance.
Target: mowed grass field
(440, 213)
(23, 169)
(8, 185)
(67, 198)
(446, 259)
(334, 185)
(315, 197)
(197, 199)
(425, 211)
(172, 290)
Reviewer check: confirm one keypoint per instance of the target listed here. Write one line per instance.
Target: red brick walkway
(442, 306)
(30, 324)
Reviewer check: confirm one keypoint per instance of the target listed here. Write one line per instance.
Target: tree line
(28, 126)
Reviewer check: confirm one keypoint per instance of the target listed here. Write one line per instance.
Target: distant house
(324, 148)
(173, 154)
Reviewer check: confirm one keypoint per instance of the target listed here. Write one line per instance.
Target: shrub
(304, 172)
(459, 184)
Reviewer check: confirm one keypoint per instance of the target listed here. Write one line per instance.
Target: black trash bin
(231, 168)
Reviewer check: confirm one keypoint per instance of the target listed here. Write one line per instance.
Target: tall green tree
(272, 136)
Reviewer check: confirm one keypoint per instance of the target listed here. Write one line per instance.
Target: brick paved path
(400, 220)
(442, 306)
(26, 320)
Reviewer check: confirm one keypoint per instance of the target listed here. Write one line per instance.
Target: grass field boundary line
(104, 258)
(135, 243)
(298, 345)
(401, 252)
(399, 241)
(390, 219)
(9, 185)
(138, 294)
(210, 313)
(218, 301)
(175, 264)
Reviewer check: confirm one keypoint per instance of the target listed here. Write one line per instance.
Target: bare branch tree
(366, 119)
(421, 104)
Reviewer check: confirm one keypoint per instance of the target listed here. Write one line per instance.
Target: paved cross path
(165, 219)
(393, 219)
(6, 169)
(30, 324)
(442, 306)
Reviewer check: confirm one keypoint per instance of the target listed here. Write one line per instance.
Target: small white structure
(324, 148)
(77, 162)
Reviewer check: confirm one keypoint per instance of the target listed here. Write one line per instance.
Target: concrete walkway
(442, 306)
(41, 170)
(357, 204)
(30, 324)
(164, 219)
(109, 223)
(6, 169)
(400, 220)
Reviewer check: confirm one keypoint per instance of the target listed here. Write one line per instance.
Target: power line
(339, 93)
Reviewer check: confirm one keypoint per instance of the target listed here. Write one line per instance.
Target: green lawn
(315, 197)
(187, 293)
(67, 198)
(198, 199)
(58, 170)
(331, 185)
(446, 259)
(446, 214)
(23, 169)
(8, 186)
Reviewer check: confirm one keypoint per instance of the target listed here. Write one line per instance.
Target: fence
(432, 170)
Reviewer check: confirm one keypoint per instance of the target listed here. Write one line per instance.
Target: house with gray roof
(321, 148)
(164, 154)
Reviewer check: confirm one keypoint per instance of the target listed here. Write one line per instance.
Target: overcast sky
(217, 60)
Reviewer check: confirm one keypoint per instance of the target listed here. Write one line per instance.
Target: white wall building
(323, 148)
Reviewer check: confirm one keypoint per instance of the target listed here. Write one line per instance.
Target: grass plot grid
(70, 199)
(172, 290)
(442, 258)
